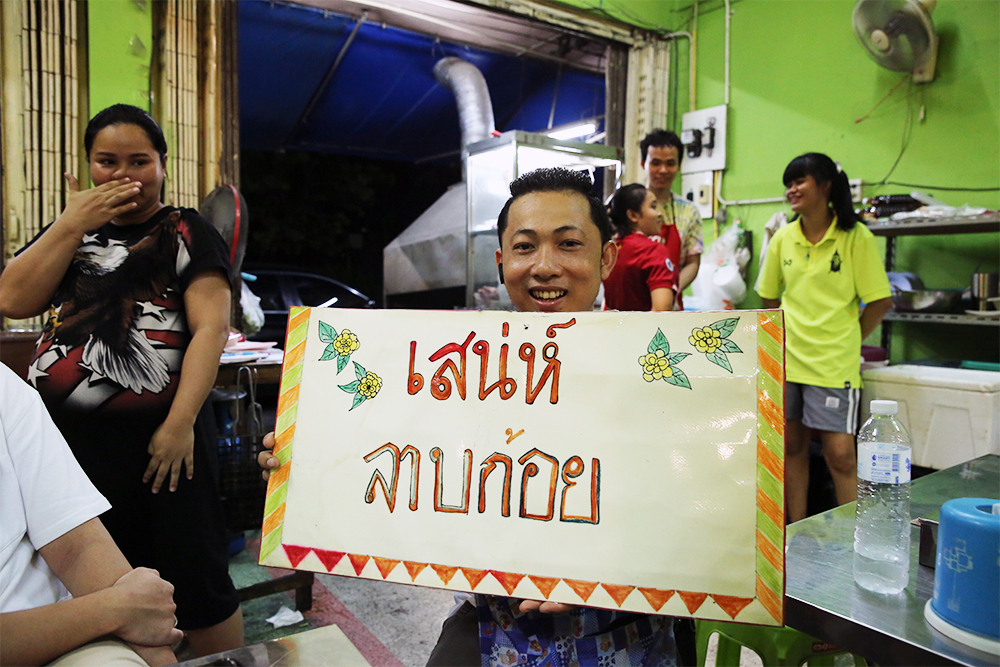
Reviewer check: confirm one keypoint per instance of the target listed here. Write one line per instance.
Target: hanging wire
(884, 98)
(907, 131)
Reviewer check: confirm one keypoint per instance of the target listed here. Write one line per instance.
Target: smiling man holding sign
(586, 475)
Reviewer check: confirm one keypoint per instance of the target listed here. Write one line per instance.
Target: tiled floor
(393, 625)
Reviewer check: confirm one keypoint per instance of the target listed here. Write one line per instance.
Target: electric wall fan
(899, 35)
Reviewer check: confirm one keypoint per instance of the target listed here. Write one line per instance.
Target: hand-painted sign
(622, 460)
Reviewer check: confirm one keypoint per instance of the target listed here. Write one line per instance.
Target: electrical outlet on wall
(699, 190)
(855, 189)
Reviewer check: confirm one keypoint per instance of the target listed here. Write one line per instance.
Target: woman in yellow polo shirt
(820, 268)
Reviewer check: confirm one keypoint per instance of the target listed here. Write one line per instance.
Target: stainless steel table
(821, 598)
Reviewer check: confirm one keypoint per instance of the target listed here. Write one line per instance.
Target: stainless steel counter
(821, 598)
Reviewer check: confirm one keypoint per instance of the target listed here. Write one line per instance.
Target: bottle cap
(884, 407)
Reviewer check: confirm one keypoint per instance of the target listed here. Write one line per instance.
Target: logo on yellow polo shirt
(835, 262)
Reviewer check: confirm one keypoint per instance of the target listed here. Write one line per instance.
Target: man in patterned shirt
(555, 249)
(662, 152)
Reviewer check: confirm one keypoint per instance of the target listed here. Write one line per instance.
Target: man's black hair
(662, 138)
(125, 114)
(557, 179)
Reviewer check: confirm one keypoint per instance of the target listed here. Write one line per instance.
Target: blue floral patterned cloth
(583, 636)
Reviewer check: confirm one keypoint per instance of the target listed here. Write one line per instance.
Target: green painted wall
(120, 43)
(799, 79)
(651, 14)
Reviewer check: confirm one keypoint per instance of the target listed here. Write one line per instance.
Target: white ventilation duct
(475, 110)
(431, 252)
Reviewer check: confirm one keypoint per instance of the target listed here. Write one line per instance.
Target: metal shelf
(942, 318)
(963, 224)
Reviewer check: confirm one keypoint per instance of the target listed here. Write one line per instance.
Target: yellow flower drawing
(706, 339)
(346, 343)
(659, 363)
(713, 341)
(365, 387)
(338, 346)
(369, 385)
(655, 366)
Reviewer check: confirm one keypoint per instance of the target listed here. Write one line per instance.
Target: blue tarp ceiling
(383, 100)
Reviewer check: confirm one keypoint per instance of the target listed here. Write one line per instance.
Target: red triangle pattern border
(655, 597)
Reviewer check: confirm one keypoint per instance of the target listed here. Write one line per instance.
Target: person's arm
(770, 279)
(689, 271)
(206, 305)
(872, 314)
(30, 279)
(109, 598)
(663, 299)
(871, 280)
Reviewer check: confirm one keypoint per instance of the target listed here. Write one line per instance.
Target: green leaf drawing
(341, 362)
(328, 352)
(730, 346)
(659, 342)
(677, 357)
(719, 358)
(679, 379)
(327, 334)
(350, 388)
(358, 400)
(360, 371)
(725, 327)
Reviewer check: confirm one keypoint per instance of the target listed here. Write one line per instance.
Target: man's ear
(609, 255)
(499, 259)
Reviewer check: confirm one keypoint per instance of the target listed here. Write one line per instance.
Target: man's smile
(547, 293)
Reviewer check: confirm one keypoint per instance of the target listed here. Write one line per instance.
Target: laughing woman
(820, 269)
(646, 273)
(137, 296)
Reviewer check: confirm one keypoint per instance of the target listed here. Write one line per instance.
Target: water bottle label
(883, 464)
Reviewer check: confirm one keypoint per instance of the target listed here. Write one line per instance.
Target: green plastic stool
(776, 647)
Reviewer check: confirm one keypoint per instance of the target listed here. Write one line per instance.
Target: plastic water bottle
(882, 527)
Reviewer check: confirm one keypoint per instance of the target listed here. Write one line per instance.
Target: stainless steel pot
(927, 300)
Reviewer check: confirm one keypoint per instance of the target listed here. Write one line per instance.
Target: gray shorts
(824, 408)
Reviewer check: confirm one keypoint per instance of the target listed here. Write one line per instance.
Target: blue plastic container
(967, 568)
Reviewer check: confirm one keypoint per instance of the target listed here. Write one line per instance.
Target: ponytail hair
(824, 170)
(627, 198)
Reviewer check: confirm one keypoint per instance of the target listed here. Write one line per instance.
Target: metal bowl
(927, 300)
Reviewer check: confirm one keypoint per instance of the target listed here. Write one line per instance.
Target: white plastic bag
(719, 284)
(253, 314)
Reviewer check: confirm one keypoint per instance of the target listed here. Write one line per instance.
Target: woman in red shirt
(645, 275)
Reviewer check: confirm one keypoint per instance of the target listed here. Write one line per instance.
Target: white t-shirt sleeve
(43, 491)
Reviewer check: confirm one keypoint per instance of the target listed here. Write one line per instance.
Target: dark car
(279, 289)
